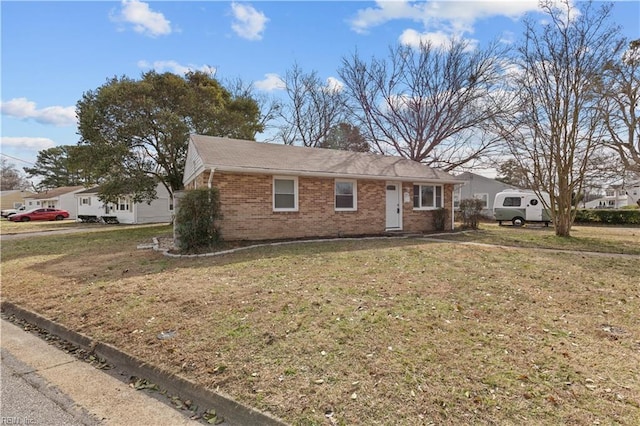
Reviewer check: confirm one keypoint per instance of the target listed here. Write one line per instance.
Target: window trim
(504, 202)
(456, 196)
(478, 196)
(354, 195)
(435, 196)
(295, 193)
(124, 204)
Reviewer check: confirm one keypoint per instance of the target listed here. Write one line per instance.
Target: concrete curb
(233, 412)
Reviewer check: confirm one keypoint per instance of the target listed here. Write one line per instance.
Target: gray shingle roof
(226, 154)
(92, 190)
(55, 192)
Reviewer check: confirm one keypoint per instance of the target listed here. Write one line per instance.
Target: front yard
(388, 331)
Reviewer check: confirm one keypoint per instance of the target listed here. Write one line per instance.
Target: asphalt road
(42, 385)
(27, 399)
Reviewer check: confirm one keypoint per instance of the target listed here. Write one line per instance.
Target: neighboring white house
(56, 198)
(616, 196)
(480, 187)
(14, 198)
(125, 210)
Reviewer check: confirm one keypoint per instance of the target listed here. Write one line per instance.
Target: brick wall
(247, 209)
(423, 220)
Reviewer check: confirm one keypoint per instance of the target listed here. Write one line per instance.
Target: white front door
(394, 206)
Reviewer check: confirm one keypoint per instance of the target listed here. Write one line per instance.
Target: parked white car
(8, 212)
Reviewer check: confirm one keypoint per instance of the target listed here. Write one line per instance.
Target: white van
(518, 207)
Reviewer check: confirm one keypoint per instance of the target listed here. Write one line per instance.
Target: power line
(16, 158)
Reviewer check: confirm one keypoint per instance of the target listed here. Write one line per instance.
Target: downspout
(211, 172)
(453, 212)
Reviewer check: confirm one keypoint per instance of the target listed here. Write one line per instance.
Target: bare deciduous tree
(558, 125)
(428, 104)
(621, 105)
(314, 107)
(10, 177)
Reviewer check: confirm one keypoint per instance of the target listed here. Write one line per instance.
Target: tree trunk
(563, 213)
(563, 225)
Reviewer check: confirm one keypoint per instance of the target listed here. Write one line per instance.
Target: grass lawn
(389, 331)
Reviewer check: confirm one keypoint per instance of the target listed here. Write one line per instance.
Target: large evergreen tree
(138, 130)
(65, 165)
(345, 137)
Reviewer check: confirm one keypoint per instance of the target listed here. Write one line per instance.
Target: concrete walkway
(43, 385)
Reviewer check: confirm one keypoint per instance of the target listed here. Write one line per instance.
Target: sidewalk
(44, 385)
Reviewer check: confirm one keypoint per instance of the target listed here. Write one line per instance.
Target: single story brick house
(273, 191)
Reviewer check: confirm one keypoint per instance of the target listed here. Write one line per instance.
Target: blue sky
(54, 51)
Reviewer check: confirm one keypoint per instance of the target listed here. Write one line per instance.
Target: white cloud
(270, 83)
(384, 12)
(144, 20)
(35, 144)
(334, 85)
(248, 22)
(439, 18)
(438, 39)
(507, 37)
(175, 67)
(24, 109)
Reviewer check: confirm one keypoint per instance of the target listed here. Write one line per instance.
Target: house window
(285, 194)
(123, 204)
(484, 198)
(427, 196)
(346, 195)
(456, 198)
(610, 192)
(512, 202)
(86, 201)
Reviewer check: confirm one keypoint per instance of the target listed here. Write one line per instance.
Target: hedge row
(609, 217)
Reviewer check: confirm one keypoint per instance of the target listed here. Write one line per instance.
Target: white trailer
(520, 206)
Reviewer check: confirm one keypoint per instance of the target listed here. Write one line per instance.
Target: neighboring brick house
(273, 191)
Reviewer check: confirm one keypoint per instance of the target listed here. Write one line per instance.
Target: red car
(39, 214)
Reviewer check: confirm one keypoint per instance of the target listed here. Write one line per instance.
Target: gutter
(289, 172)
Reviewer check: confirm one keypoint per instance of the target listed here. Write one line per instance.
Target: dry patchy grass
(390, 331)
(8, 227)
(605, 239)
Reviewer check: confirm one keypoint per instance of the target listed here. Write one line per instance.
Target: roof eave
(289, 172)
